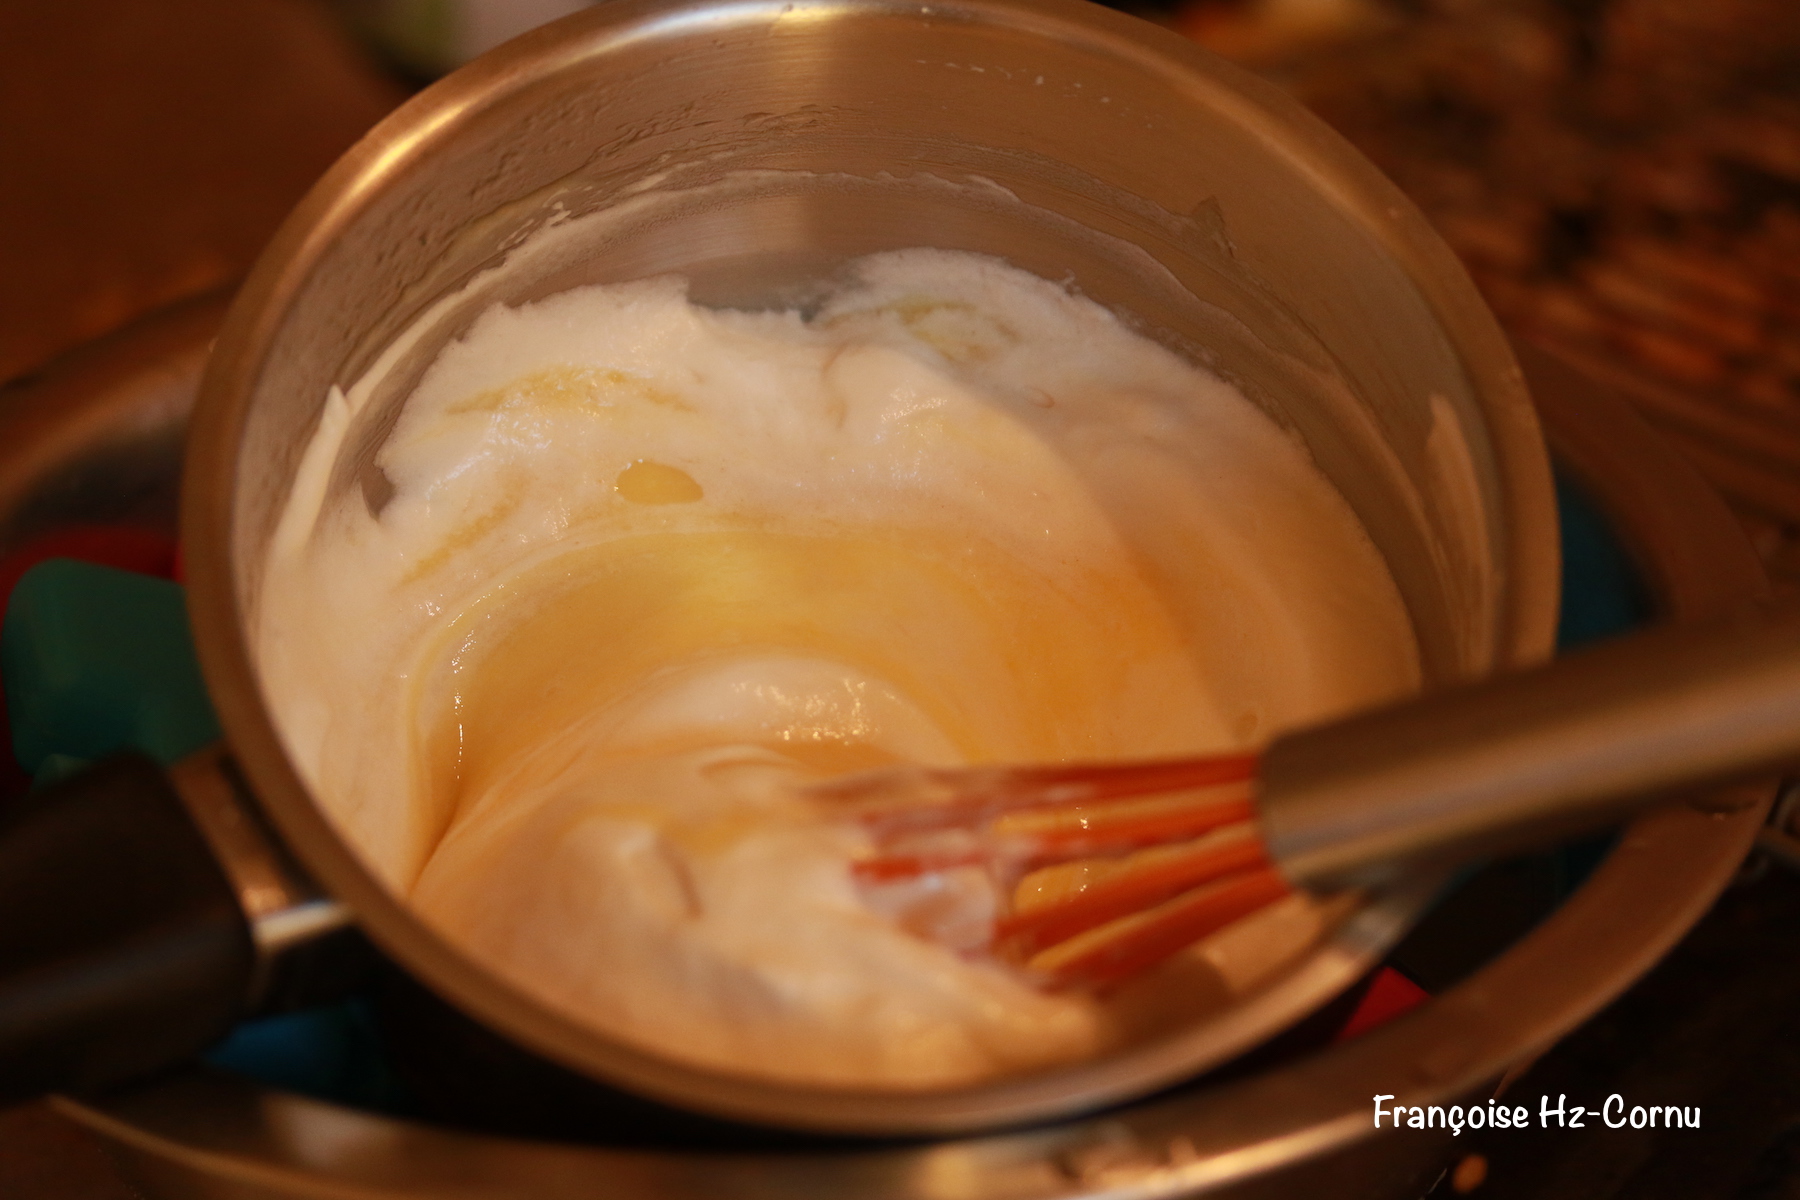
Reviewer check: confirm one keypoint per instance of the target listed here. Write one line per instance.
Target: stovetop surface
(1716, 1026)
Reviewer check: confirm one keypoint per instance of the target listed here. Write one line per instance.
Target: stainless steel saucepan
(780, 138)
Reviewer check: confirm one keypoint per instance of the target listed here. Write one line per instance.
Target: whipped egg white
(640, 566)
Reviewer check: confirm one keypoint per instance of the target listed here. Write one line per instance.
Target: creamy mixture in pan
(635, 566)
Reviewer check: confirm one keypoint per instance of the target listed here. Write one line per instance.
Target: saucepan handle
(123, 949)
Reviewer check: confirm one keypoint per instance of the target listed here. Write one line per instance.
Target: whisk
(1110, 868)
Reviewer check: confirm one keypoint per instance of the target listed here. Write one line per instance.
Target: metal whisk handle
(1525, 758)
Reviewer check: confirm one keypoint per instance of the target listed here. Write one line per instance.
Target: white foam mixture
(644, 562)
